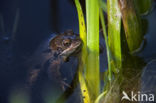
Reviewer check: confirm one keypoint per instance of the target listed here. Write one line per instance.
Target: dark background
(30, 23)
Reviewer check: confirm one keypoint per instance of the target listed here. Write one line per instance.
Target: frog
(57, 51)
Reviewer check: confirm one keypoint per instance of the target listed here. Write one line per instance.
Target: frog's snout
(77, 43)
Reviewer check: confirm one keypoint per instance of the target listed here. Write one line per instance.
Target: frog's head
(66, 44)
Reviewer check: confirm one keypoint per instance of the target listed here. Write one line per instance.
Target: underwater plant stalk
(114, 35)
(132, 25)
(143, 6)
(107, 46)
(82, 59)
(92, 70)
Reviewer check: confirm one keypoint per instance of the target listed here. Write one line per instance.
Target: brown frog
(59, 49)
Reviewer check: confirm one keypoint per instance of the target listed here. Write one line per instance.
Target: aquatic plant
(118, 36)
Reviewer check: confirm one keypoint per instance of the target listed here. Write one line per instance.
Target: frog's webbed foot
(64, 84)
(55, 74)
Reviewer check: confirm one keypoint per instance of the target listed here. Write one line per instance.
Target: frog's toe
(64, 84)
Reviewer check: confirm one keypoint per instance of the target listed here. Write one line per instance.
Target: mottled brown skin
(61, 48)
(65, 44)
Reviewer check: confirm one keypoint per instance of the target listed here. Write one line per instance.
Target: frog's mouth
(72, 49)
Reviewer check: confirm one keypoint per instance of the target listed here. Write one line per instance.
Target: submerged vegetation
(122, 42)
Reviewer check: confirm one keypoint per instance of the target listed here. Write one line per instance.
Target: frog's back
(35, 64)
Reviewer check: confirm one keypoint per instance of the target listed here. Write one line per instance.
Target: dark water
(149, 55)
(24, 26)
(149, 52)
(149, 79)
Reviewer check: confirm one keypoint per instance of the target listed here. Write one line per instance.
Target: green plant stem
(92, 70)
(82, 59)
(114, 36)
(132, 25)
(107, 46)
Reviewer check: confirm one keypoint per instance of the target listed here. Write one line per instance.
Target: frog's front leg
(33, 76)
(55, 74)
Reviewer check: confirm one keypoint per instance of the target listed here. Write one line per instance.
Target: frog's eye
(66, 42)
